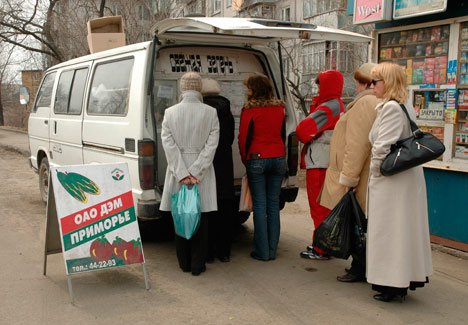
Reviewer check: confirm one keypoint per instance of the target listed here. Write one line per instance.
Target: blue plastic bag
(186, 212)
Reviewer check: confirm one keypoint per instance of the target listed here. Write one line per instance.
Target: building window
(193, 7)
(161, 6)
(216, 6)
(286, 14)
(115, 9)
(143, 13)
(329, 55)
(317, 7)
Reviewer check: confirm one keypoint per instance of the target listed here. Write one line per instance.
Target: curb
(450, 251)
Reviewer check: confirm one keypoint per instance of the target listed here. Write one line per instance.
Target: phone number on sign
(93, 266)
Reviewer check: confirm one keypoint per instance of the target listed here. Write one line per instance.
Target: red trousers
(315, 177)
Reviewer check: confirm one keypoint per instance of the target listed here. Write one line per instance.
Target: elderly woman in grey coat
(190, 134)
(398, 250)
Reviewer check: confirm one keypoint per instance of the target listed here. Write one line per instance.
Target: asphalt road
(289, 290)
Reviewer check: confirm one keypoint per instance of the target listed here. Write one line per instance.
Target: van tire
(44, 179)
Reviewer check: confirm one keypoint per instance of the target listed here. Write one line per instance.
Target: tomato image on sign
(128, 251)
(76, 185)
(101, 249)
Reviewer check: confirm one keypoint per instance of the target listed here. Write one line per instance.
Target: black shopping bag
(360, 228)
(335, 234)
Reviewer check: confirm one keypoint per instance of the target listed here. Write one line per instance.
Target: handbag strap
(414, 128)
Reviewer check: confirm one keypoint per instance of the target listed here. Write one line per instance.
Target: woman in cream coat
(350, 157)
(190, 134)
(398, 250)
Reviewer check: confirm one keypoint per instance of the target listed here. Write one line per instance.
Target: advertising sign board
(371, 11)
(96, 216)
(411, 8)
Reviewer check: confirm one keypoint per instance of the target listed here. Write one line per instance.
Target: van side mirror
(24, 95)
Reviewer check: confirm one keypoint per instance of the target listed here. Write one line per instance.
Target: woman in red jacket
(261, 144)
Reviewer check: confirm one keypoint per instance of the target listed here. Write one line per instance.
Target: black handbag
(413, 151)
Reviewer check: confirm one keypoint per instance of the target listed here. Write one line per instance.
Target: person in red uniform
(315, 132)
(261, 145)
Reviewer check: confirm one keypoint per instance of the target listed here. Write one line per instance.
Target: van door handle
(55, 127)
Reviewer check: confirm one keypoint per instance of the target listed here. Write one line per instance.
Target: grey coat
(190, 134)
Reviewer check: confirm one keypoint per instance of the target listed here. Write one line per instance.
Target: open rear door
(248, 30)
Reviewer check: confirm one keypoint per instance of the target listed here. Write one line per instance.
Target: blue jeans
(265, 177)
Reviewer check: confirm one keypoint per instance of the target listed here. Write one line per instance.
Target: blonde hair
(394, 77)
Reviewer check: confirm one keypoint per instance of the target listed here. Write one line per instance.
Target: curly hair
(260, 86)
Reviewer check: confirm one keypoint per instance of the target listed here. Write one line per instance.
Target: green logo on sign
(117, 174)
(76, 185)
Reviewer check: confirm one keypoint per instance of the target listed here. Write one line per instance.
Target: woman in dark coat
(222, 223)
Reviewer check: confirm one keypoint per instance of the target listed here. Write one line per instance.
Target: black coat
(223, 165)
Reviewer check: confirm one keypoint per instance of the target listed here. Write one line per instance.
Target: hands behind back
(190, 180)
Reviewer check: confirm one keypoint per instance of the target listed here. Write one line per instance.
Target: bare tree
(6, 53)
(57, 28)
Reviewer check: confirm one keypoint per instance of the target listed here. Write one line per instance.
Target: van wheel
(44, 179)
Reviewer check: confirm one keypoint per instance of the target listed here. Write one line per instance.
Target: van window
(44, 96)
(110, 88)
(70, 90)
(165, 96)
(77, 93)
(63, 92)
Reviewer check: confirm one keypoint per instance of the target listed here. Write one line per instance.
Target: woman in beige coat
(350, 156)
(398, 250)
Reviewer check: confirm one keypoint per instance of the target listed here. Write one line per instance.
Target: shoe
(386, 297)
(185, 269)
(256, 257)
(313, 255)
(224, 259)
(348, 277)
(347, 269)
(310, 248)
(198, 272)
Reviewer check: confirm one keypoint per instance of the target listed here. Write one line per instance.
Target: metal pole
(70, 290)
(145, 274)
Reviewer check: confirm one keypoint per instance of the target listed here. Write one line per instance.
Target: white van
(108, 107)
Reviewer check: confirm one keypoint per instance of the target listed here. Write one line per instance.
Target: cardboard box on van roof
(105, 33)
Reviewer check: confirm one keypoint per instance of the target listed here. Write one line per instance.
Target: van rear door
(248, 30)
